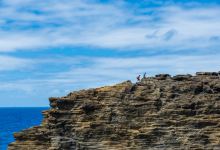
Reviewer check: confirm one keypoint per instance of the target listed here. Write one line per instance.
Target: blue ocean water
(16, 119)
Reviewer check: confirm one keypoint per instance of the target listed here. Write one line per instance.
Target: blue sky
(51, 47)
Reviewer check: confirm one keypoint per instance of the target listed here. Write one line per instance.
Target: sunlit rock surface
(161, 112)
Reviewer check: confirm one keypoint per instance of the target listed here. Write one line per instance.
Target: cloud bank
(27, 24)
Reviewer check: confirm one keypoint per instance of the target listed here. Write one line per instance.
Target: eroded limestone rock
(162, 112)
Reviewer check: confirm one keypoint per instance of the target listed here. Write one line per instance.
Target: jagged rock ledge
(161, 112)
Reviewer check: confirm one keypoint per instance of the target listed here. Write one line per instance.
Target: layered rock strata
(161, 112)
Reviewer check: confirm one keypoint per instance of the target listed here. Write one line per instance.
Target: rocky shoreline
(161, 112)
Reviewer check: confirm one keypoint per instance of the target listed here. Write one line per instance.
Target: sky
(52, 47)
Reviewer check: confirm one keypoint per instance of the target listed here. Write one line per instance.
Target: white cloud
(34, 25)
(102, 71)
(8, 63)
(99, 71)
(116, 69)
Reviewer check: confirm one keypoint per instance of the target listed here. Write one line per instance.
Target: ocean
(16, 119)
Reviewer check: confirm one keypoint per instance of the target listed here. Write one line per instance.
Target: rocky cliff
(161, 112)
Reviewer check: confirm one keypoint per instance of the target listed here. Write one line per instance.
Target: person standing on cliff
(138, 77)
(144, 75)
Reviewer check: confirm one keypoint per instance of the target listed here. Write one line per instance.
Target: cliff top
(161, 112)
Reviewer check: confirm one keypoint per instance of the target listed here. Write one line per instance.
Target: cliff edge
(161, 112)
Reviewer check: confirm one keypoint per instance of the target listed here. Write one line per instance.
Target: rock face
(162, 112)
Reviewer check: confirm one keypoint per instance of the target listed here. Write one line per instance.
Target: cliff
(161, 112)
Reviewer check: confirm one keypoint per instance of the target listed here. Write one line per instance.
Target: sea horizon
(15, 119)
